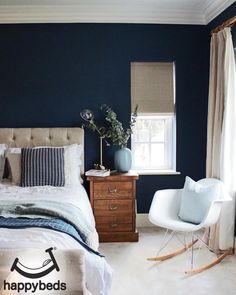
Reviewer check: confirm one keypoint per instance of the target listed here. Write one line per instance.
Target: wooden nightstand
(113, 199)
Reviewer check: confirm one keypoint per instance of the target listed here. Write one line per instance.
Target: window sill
(157, 172)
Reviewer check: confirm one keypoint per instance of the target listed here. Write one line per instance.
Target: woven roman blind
(152, 87)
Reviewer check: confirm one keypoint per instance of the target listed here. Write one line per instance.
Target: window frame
(170, 139)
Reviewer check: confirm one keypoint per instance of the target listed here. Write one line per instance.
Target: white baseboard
(142, 220)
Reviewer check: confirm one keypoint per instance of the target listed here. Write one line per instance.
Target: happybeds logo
(33, 286)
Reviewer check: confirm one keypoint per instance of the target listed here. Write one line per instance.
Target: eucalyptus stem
(114, 131)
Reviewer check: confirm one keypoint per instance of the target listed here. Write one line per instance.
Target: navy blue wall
(50, 72)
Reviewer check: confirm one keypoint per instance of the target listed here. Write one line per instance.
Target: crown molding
(82, 13)
(96, 14)
(214, 8)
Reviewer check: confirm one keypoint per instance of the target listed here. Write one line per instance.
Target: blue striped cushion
(42, 166)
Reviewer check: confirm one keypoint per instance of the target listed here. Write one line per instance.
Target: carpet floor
(133, 274)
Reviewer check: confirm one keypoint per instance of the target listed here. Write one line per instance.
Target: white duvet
(98, 271)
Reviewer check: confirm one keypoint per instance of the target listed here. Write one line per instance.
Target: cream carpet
(133, 274)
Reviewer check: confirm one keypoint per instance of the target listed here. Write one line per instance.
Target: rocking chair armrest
(213, 213)
(228, 199)
(165, 203)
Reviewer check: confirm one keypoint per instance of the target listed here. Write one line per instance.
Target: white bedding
(98, 272)
(75, 195)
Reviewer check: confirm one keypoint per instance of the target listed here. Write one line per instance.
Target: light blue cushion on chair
(196, 200)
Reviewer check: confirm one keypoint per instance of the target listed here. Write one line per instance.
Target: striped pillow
(42, 166)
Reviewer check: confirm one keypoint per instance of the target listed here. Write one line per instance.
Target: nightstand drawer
(113, 219)
(114, 223)
(114, 227)
(103, 190)
(113, 207)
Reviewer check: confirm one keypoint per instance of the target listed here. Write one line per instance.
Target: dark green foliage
(113, 133)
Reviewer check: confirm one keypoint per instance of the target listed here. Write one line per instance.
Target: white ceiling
(112, 11)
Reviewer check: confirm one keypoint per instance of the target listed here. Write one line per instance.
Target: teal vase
(123, 160)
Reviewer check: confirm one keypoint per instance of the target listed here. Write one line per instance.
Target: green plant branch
(114, 132)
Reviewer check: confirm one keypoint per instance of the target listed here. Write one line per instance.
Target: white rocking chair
(164, 213)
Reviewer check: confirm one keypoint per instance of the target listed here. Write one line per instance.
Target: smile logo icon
(35, 273)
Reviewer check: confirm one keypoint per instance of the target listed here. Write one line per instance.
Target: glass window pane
(151, 139)
(157, 130)
(144, 135)
(142, 130)
(141, 155)
(157, 154)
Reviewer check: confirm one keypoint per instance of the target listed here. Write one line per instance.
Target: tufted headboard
(30, 137)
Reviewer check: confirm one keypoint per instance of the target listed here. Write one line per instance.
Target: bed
(38, 203)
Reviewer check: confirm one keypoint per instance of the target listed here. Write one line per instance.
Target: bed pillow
(73, 154)
(13, 157)
(196, 200)
(72, 162)
(42, 166)
(72, 157)
(2, 159)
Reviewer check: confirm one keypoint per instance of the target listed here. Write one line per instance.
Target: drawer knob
(113, 207)
(113, 225)
(112, 190)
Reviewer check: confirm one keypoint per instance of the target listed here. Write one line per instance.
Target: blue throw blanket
(53, 223)
(48, 214)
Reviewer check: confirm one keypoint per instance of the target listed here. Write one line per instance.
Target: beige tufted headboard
(30, 137)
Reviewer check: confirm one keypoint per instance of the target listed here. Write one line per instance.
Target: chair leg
(194, 240)
(172, 254)
(214, 262)
(192, 252)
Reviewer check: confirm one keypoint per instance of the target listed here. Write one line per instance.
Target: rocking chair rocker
(164, 213)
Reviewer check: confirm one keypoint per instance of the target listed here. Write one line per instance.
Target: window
(153, 142)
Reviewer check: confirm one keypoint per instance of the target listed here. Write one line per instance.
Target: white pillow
(72, 157)
(3, 147)
(196, 200)
(13, 155)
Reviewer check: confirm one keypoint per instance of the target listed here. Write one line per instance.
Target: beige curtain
(221, 133)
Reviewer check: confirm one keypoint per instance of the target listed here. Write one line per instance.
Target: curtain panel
(221, 132)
